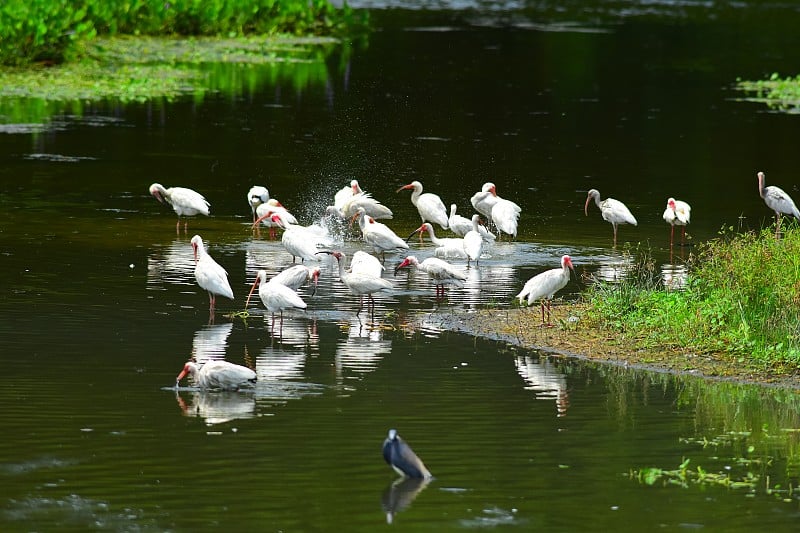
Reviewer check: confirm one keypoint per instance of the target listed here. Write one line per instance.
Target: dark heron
(402, 458)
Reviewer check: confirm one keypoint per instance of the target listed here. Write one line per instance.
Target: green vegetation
(741, 299)
(138, 69)
(54, 31)
(778, 93)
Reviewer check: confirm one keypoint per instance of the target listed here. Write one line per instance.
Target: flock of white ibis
(364, 276)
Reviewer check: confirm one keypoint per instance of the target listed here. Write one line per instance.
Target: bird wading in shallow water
(402, 458)
(217, 375)
(275, 296)
(209, 274)
(256, 196)
(441, 272)
(777, 200)
(613, 211)
(677, 213)
(185, 202)
(544, 285)
(430, 206)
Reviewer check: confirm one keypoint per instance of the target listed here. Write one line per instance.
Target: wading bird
(265, 211)
(295, 276)
(430, 206)
(544, 285)
(503, 213)
(275, 296)
(473, 242)
(777, 200)
(217, 375)
(302, 241)
(360, 282)
(402, 458)
(445, 247)
(458, 224)
(378, 235)
(441, 272)
(677, 213)
(256, 196)
(209, 274)
(613, 211)
(348, 200)
(185, 202)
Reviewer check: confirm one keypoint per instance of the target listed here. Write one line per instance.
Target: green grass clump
(780, 93)
(55, 31)
(742, 298)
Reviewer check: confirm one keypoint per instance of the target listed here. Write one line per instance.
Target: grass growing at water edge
(777, 92)
(741, 299)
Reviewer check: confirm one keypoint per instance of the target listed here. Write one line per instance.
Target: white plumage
(677, 213)
(612, 210)
(445, 247)
(302, 241)
(360, 281)
(777, 200)
(256, 196)
(295, 276)
(378, 235)
(458, 224)
(185, 202)
(363, 263)
(544, 285)
(217, 375)
(473, 241)
(430, 206)
(209, 274)
(484, 200)
(441, 272)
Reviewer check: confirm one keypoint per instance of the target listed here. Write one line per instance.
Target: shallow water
(101, 308)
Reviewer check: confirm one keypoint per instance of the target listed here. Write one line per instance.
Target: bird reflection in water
(614, 269)
(211, 342)
(545, 380)
(362, 349)
(674, 276)
(400, 494)
(218, 407)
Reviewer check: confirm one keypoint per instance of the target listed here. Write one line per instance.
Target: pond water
(547, 100)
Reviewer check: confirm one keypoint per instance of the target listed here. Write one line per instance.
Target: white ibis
(275, 296)
(256, 196)
(473, 241)
(613, 211)
(209, 274)
(544, 285)
(445, 247)
(301, 241)
(217, 374)
(360, 282)
(363, 263)
(294, 277)
(378, 235)
(458, 224)
(345, 193)
(503, 213)
(429, 205)
(264, 214)
(185, 202)
(677, 213)
(777, 200)
(441, 272)
(348, 200)
(484, 200)
(402, 458)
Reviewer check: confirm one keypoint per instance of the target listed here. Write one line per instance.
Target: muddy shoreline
(572, 337)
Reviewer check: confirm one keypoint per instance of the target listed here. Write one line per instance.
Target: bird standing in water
(185, 202)
(613, 211)
(677, 213)
(402, 458)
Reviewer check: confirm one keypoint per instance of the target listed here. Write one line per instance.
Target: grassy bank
(54, 31)
(741, 299)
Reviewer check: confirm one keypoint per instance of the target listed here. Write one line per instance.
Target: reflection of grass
(778, 93)
(143, 69)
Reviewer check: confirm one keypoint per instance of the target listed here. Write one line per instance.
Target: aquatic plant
(741, 299)
(780, 93)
